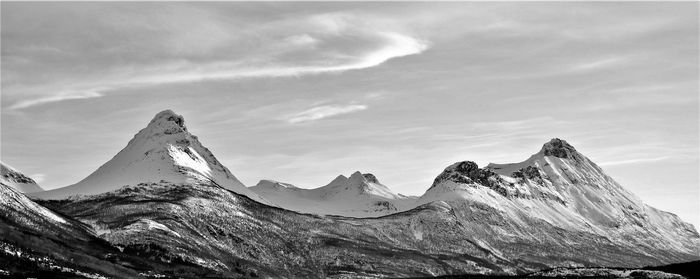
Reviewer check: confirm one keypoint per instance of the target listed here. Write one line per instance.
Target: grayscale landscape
(349, 140)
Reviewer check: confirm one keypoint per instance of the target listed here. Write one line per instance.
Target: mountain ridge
(555, 209)
(12, 177)
(359, 195)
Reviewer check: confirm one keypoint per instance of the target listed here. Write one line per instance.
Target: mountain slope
(17, 180)
(360, 195)
(232, 235)
(35, 239)
(164, 152)
(562, 189)
(190, 220)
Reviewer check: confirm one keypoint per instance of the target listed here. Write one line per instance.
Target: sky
(303, 92)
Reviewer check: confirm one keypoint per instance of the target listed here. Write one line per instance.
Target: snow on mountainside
(163, 152)
(561, 187)
(360, 195)
(17, 180)
(16, 206)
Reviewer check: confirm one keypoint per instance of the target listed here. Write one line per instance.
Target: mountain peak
(561, 149)
(163, 152)
(363, 178)
(358, 183)
(340, 179)
(167, 121)
(356, 176)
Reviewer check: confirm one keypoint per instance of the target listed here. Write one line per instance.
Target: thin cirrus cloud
(320, 112)
(326, 43)
(632, 161)
(57, 98)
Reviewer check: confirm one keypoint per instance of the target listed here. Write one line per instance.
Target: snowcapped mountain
(360, 195)
(163, 152)
(566, 191)
(556, 209)
(165, 206)
(17, 180)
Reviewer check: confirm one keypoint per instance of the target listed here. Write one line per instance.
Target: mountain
(163, 152)
(37, 242)
(34, 239)
(189, 220)
(560, 200)
(230, 236)
(360, 195)
(17, 180)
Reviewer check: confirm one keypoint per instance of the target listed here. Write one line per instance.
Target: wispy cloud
(319, 44)
(320, 112)
(598, 64)
(58, 98)
(632, 161)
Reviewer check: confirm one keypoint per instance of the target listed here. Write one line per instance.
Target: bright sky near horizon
(302, 92)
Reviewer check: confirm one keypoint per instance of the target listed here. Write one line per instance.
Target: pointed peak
(356, 174)
(169, 121)
(357, 179)
(561, 149)
(340, 179)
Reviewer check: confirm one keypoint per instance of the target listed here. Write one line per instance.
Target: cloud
(632, 161)
(597, 64)
(158, 49)
(62, 97)
(321, 112)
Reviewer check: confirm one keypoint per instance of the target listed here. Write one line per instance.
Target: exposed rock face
(469, 172)
(561, 149)
(529, 172)
(370, 178)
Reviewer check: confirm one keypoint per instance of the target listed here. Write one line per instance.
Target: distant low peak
(363, 177)
(340, 179)
(275, 184)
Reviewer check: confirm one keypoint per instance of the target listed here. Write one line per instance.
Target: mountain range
(360, 195)
(164, 206)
